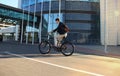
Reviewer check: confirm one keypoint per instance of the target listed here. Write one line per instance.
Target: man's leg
(55, 38)
(60, 38)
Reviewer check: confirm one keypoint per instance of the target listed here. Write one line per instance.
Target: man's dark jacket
(60, 28)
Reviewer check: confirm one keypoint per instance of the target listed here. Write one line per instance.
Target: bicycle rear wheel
(44, 47)
(67, 48)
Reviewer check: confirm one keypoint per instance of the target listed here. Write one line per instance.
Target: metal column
(34, 23)
(22, 26)
(59, 8)
(28, 21)
(40, 24)
(105, 27)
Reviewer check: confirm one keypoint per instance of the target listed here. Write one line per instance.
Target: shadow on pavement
(29, 50)
(5, 55)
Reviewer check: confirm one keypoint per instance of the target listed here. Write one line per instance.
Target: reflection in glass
(81, 16)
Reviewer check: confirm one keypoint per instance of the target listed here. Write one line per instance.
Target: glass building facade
(13, 16)
(81, 16)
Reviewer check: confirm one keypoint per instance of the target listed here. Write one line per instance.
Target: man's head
(57, 20)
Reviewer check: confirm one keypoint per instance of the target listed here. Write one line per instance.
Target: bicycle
(66, 47)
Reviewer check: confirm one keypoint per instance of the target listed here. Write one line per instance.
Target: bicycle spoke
(44, 47)
(67, 49)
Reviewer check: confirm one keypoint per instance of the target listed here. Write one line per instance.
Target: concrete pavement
(25, 60)
(59, 65)
(112, 51)
(15, 47)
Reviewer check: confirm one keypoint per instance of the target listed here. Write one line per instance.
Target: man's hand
(50, 32)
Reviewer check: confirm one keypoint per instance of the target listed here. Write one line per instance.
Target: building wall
(118, 3)
(110, 23)
(82, 17)
(19, 3)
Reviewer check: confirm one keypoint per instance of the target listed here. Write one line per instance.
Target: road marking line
(63, 67)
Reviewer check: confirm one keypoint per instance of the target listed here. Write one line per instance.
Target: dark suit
(60, 28)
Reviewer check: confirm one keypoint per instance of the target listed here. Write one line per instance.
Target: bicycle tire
(44, 47)
(67, 48)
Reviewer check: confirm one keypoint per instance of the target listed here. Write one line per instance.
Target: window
(77, 0)
(14, 14)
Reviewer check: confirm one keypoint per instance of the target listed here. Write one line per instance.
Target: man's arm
(55, 29)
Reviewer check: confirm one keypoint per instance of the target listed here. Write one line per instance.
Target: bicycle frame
(53, 46)
(63, 47)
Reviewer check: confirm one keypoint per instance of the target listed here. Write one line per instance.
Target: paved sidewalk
(112, 51)
(15, 47)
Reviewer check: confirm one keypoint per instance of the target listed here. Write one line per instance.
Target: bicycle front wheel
(44, 47)
(67, 48)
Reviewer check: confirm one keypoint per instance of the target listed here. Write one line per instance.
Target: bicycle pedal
(64, 48)
(57, 49)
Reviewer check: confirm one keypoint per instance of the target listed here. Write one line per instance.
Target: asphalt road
(12, 64)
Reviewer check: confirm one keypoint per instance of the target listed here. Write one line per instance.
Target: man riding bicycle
(66, 47)
(61, 30)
